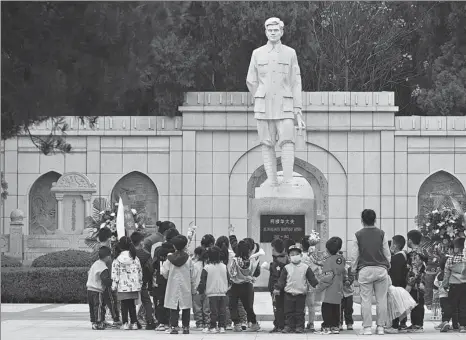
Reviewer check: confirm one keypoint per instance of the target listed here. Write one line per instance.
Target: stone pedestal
(15, 247)
(280, 207)
(73, 192)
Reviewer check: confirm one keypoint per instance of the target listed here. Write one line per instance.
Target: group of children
(217, 279)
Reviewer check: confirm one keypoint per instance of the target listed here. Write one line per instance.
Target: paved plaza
(71, 321)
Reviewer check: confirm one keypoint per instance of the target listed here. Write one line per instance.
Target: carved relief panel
(138, 192)
(43, 206)
(73, 214)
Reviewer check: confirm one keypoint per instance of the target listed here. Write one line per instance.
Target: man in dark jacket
(146, 264)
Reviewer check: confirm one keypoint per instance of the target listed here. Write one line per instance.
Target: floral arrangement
(442, 225)
(104, 215)
(314, 238)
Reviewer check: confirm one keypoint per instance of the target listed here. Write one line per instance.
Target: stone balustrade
(430, 126)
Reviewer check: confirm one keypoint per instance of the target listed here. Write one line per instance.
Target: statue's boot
(270, 164)
(288, 162)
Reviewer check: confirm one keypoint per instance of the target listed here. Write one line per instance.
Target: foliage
(64, 258)
(8, 262)
(91, 59)
(4, 186)
(44, 285)
(446, 96)
(443, 224)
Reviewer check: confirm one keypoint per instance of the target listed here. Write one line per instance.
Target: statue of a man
(274, 79)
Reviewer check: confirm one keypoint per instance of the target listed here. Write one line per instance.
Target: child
(127, 281)
(398, 272)
(241, 273)
(455, 281)
(214, 284)
(280, 260)
(311, 303)
(200, 301)
(147, 271)
(415, 280)
(347, 300)
(159, 285)
(226, 256)
(444, 302)
(294, 278)
(331, 284)
(180, 284)
(98, 280)
(207, 241)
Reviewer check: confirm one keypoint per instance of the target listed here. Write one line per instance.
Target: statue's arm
(252, 79)
(296, 86)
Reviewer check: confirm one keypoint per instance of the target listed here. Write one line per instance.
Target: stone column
(60, 212)
(16, 234)
(87, 204)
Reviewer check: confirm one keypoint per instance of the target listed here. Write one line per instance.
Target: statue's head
(274, 29)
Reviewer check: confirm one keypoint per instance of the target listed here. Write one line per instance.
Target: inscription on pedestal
(282, 226)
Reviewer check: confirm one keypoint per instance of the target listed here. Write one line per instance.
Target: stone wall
(201, 163)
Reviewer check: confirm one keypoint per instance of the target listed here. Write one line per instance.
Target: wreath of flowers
(442, 225)
(314, 238)
(104, 216)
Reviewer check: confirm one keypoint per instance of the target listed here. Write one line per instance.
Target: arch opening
(138, 192)
(43, 206)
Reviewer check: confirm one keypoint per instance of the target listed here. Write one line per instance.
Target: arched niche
(43, 206)
(441, 189)
(138, 192)
(313, 176)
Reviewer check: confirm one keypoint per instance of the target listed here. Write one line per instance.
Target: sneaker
(135, 326)
(237, 328)
(254, 327)
(299, 330)
(185, 330)
(221, 330)
(126, 327)
(95, 326)
(287, 330)
(335, 330)
(440, 325)
(445, 327)
(173, 330)
(341, 328)
(213, 330)
(391, 330)
(150, 326)
(325, 331)
(310, 327)
(349, 327)
(462, 329)
(415, 329)
(366, 331)
(160, 328)
(244, 326)
(229, 328)
(380, 330)
(402, 329)
(200, 327)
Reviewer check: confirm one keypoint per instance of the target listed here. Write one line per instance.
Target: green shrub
(44, 285)
(8, 262)
(64, 258)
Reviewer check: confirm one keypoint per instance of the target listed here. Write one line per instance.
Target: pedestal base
(283, 190)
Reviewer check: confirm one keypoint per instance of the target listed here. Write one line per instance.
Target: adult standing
(371, 255)
(156, 239)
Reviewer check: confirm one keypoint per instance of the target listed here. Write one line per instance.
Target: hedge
(44, 285)
(8, 262)
(64, 258)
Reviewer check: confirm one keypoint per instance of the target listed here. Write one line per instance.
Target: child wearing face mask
(294, 279)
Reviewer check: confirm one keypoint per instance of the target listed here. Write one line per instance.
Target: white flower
(102, 212)
(135, 225)
(441, 224)
(435, 211)
(134, 211)
(436, 231)
(103, 225)
(427, 224)
(112, 214)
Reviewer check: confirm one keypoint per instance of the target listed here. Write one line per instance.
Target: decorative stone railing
(323, 111)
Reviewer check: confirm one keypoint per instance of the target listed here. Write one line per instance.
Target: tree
(445, 95)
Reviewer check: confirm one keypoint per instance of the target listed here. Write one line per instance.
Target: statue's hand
(299, 118)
